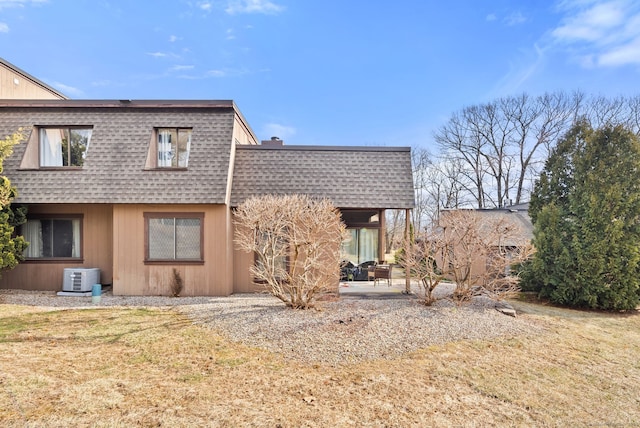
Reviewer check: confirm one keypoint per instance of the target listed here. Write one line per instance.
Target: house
(483, 232)
(140, 188)
(18, 84)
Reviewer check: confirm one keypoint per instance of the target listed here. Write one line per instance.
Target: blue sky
(348, 72)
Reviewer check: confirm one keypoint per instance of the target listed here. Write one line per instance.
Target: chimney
(273, 142)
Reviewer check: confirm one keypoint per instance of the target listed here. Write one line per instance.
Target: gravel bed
(344, 331)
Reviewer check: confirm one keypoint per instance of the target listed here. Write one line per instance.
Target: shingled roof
(114, 169)
(351, 177)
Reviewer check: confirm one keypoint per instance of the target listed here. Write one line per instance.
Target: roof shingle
(351, 177)
(114, 166)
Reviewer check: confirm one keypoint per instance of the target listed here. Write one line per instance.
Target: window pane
(51, 147)
(350, 247)
(188, 238)
(52, 238)
(167, 139)
(47, 238)
(62, 238)
(174, 145)
(368, 244)
(362, 245)
(161, 238)
(184, 145)
(64, 146)
(78, 144)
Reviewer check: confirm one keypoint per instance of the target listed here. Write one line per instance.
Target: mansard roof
(351, 177)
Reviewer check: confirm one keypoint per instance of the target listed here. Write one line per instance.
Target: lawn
(153, 367)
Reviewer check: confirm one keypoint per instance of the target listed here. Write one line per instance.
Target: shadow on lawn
(528, 303)
(88, 325)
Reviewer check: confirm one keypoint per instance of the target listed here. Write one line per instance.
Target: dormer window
(173, 147)
(64, 146)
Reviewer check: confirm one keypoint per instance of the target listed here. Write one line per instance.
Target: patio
(367, 289)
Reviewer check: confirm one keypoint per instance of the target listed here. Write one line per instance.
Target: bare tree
(296, 241)
(634, 114)
(504, 142)
(477, 253)
(419, 258)
(421, 162)
(456, 141)
(446, 186)
(394, 229)
(474, 250)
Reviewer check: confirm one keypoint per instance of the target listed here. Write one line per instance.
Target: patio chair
(371, 274)
(382, 272)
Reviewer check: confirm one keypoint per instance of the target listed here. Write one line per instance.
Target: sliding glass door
(362, 245)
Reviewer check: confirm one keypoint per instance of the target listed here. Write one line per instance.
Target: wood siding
(132, 276)
(244, 281)
(96, 250)
(14, 85)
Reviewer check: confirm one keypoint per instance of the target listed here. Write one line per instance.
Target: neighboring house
(18, 84)
(516, 215)
(140, 188)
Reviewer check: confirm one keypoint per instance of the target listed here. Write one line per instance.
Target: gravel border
(347, 330)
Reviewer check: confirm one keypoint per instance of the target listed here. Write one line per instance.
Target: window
(362, 245)
(171, 237)
(173, 147)
(64, 147)
(52, 238)
(363, 227)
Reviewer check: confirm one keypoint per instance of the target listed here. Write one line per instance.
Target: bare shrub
(296, 241)
(177, 284)
(475, 251)
(419, 257)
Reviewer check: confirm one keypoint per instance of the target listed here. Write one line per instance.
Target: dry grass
(139, 367)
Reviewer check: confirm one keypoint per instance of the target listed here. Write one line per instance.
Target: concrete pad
(74, 293)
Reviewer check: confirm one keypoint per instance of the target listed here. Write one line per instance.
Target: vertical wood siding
(133, 277)
(15, 86)
(96, 250)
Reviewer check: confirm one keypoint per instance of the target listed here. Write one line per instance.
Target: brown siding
(96, 250)
(14, 85)
(134, 277)
(242, 279)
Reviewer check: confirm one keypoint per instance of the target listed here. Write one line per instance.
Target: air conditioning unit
(80, 279)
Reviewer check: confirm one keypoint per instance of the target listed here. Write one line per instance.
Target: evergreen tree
(11, 246)
(586, 213)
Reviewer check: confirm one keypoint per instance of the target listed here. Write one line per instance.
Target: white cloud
(491, 17)
(230, 34)
(5, 4)
(4, 28)
(521, 71)
(278, 130)
(621, 55)
(253, 6)
(68, 90)
(600, 32)
(163, 55)
(205, 5)
(217, 73)
(591, 24)
(514, 18)
(173, 38)
(181, 67)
